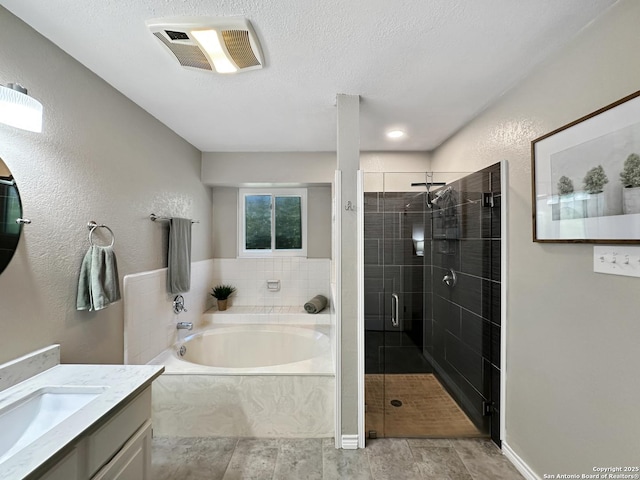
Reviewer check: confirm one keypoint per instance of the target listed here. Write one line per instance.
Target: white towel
(98, 285)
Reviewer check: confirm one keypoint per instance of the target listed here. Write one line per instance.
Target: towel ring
(93, 226)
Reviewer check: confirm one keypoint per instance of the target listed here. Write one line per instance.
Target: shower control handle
(178, 304)
(450, 279)
(394, 309)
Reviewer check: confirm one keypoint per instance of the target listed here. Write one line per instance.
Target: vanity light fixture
(18, 109)
(396, 134)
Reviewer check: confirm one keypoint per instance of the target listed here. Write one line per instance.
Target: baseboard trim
(350, 442)
(520, 464)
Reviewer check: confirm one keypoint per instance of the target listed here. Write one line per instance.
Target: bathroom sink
(33, 415)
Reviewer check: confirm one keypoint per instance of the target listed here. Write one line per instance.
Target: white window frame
(274, 192)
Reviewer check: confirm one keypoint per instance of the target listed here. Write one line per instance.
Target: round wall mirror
(10, 211)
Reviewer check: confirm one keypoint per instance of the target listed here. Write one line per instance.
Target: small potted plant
(221, 294)
(630, 178)
(570, 204)
(565, 186)
(594, 182)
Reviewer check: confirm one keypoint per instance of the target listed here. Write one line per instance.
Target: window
(273, 222)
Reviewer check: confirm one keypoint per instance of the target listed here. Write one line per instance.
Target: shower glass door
(418, 356)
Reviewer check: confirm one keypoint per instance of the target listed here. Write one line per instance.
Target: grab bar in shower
(394, 309)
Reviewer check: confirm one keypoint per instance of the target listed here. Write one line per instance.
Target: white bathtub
(247, 380)
(252, 350)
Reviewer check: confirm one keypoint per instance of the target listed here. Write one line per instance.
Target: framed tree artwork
(586, 178)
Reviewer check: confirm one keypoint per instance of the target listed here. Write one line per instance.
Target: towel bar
(154, 217)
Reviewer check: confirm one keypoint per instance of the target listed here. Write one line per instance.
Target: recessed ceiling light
(395, 134)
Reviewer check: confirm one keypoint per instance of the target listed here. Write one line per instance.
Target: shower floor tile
(427, 409)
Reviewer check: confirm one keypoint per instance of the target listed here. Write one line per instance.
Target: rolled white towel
(316, 304)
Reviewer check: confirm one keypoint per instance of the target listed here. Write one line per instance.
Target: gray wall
(99, 158)
(225, 222)
(225, 171)
(572, 335)
(261, 168)
(395, 162)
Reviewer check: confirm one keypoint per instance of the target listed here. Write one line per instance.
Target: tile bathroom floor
(316, 459)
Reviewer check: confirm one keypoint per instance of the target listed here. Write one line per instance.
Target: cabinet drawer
(110, 437)
(133, 461)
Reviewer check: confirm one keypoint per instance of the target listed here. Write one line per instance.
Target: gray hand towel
(316, 304)
(98, 285)
(179, 257)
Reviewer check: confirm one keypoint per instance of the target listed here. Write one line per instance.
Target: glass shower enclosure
(432, 303)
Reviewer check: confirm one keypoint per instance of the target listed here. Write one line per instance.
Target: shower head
(428, 185)
(440, 193)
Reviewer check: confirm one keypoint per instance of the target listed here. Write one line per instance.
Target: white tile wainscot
(300, 279)
(149, 321)
(150, 324)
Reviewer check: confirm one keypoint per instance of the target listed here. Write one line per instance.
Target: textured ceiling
(427, 66)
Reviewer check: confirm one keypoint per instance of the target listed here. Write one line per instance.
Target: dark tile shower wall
(462, 323)
(457, 328)
(392, 266)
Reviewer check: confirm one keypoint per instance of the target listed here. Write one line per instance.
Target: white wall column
(348, 161)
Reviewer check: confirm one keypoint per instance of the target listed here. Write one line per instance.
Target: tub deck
(289, 315)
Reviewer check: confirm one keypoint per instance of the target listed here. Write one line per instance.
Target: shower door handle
(394, 309)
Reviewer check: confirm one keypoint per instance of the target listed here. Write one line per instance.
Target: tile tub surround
(291, 400)
(149, 321)
(123, 382)
(300, 279)
(243, 406)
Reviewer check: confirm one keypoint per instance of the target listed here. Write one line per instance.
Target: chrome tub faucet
(178, 304)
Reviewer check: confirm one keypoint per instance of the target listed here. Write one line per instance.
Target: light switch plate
(617, 260)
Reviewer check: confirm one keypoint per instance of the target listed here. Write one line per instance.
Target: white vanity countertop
(123, 382)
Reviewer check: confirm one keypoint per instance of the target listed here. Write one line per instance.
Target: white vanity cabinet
(65, 469)
(116, 448)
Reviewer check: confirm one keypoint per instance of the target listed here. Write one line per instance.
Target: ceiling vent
(222, 45)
